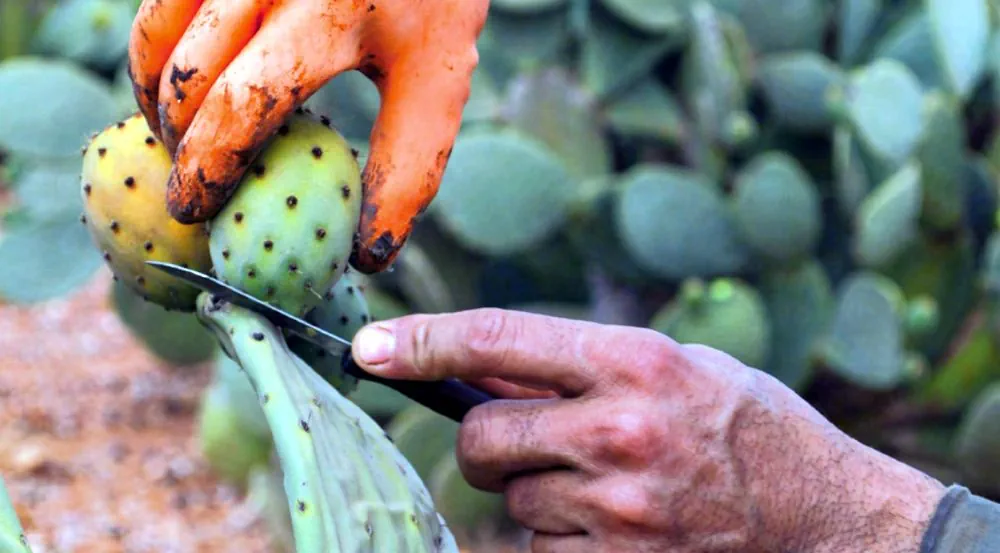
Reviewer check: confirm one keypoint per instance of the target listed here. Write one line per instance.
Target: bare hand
(649, 445)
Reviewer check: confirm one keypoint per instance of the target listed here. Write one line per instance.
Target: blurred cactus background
(808, 185)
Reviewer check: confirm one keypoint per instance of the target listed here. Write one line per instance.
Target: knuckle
(472, 441)
(422, 349)
(630, 505)
(655, 357)
(628, 437)
(489, 336)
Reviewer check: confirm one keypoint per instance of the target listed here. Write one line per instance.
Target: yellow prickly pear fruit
(124, 184)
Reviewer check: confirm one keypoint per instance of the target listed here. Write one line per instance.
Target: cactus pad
(285, 235)
(12, 538)
(800, 304)
(124, 184)
(343, 312)
(864, 344)
(348, 488)
(675, 224)
(777, 207)
(232, 432)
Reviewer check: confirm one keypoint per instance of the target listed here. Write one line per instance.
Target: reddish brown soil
(96, 438)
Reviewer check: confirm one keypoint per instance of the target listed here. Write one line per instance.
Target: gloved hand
(215, 78)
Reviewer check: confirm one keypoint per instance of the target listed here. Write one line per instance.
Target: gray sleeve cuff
(963, 523)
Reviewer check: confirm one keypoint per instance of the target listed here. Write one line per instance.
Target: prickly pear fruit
(286, 234)
(343, 312)
(725, 313)
(124, 186)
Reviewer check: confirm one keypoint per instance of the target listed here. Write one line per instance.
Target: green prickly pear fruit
(343, 312)
(727, 314)
(286, 234)
(124, 186)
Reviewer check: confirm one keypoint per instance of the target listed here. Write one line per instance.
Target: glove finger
(420, 115)
(220, 30)
(423, 93)
(277, 70)
(157, 28)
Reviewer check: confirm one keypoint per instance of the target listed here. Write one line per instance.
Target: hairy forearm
(823, 491)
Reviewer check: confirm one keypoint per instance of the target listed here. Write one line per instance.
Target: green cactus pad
(12, 538)
(884, 103)
(784, 25)
(232, 432)
(852, 181)
(910, 42)
(961, 31)
(977, 443)
(548, 105)
(650, 16)
(343, 312)
(175, 337)
(675, 224)
(864, 344)
(502, 192)
(44, 259)
(887, 222)
(800, 305)
(94, 33)
(647, 109)
(62, 127)
(795, 85)
(527, 7)
(348, 488)
(856, 19)
(941, 153)
(286, 234)
(614, 56)
(777, 207)
(712, 84)
(423, 436)
(727, 314)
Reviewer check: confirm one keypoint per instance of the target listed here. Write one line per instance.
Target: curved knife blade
(451, 398)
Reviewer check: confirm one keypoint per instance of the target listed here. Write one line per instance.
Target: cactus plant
(808, 185)
(347, 487)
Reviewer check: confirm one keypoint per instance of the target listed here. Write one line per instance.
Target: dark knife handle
(450, 397)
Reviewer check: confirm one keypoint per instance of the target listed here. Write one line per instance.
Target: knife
(450, 397)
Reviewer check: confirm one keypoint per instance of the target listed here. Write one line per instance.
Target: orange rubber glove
(215, 78)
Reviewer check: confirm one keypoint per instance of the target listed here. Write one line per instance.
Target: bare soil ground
(97, 438)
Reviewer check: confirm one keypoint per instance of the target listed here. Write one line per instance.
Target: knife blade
(450, 397)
